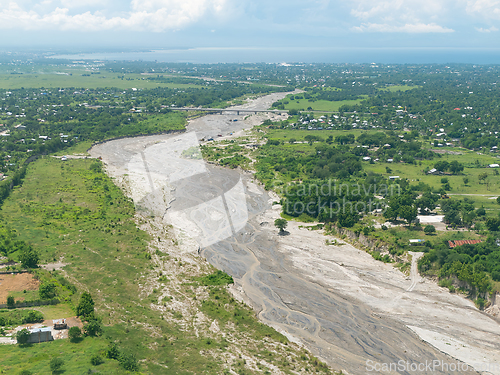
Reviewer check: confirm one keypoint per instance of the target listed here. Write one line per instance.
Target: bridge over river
(229, 110)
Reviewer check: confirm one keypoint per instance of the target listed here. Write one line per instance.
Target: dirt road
(352, 311)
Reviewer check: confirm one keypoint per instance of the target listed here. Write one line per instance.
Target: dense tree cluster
(470, 264)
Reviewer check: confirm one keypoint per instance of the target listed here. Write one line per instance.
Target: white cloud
(411, 9)
(149, 15)
(408, 16)
(488, 9)
(77, 3)
(488, 30)
(406, 28)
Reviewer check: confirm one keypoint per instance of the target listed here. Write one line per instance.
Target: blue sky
(268, 23)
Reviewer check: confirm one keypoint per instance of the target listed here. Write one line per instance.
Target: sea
(212, 55)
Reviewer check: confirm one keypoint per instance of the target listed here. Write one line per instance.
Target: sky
(250, 23)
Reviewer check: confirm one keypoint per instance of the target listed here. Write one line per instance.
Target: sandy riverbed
(337, 300)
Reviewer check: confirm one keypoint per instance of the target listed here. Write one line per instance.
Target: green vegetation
(281, 224)
(16, 317)
(227, 154)
(386, 153)
(35, 359)
(394, 88)
(85, 307)
(23, 336)
(327, 99)
(317, 105)
(394, 125)
(74, 334)
(430, 229)
(472, 266)
(56, 364)
(217, 278)
(73, 211)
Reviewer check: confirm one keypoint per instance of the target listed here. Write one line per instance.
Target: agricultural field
(78, 77)
(21, 286)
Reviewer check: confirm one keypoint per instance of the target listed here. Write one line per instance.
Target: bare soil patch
(16, 283)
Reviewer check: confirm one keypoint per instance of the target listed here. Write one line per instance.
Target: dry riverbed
(342, 304)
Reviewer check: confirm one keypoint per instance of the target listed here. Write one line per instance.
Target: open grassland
(300, 134)
(50, 312)
(76, 79)
(395, 88)
(78, 149)
(416, 173)
(76, 357)
(320, 105)
(72, 212)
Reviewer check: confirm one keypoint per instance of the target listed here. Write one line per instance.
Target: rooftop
(453, 244)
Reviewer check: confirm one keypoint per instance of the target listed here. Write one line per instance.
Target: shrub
(29, 257)
(217, 278)
(33, 316)
(480, 303)
(74, 333)
(96, 359)
(11, 302)
(85, 307)
(23, 336)
(113, 352)
(56, 364)
(47, 290)
(93, 328)
(129, 362)
(429, 229)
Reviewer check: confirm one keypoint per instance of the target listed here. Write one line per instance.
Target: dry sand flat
(345, 306)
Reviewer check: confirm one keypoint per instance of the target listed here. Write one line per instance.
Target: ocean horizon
(213, 55)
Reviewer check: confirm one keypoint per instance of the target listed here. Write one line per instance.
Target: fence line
(13, 271)
(19, 304)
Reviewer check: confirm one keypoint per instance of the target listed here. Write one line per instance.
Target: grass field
(62, 310)
(320, 105)
(76, 357)
(416, 173)
(61, 78)
(73, 212)
(399, 88)
(299, 135)
(79, 148)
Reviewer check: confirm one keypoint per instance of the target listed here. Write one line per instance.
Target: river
(353, 312)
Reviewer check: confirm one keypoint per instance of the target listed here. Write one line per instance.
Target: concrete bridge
(229, 110)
